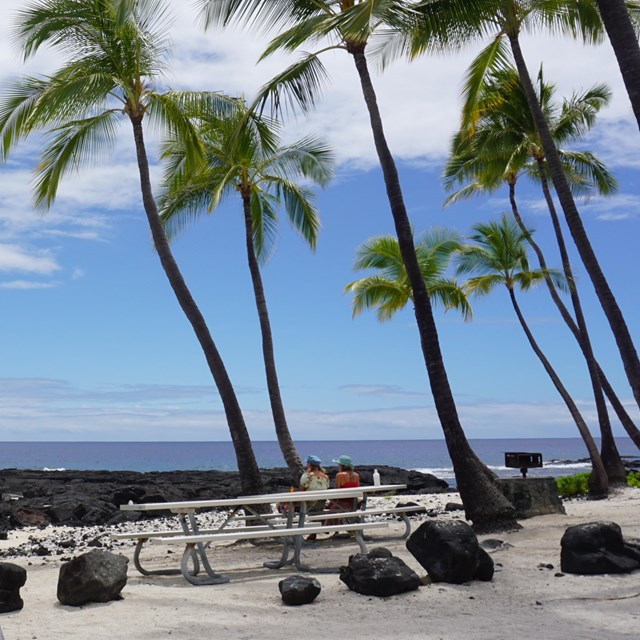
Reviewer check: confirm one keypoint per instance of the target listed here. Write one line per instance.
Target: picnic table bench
(290, 527)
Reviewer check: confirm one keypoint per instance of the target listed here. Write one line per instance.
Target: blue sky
(95, 347)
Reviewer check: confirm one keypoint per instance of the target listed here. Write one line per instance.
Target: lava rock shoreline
(32, 497)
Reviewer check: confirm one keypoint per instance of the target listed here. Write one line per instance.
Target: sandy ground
(526, 599)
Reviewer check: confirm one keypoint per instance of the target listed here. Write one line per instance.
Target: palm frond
(494, 57)
(297, 86)
(589, 172)
(380, 293)
(265, 223)
(72, 146)
(577, 19)
(300, 208)
(265, 16)
(447, 293)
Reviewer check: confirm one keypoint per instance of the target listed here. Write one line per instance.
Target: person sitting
(346, 478)
(314, 479)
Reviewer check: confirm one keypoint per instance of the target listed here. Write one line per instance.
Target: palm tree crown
(116, 53)
(243, 156)
(389, 289)
(499, 256)
(505, 144)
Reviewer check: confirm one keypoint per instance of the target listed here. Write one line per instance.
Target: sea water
(561, 456)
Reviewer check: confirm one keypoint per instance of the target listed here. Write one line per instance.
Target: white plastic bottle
(376, 478)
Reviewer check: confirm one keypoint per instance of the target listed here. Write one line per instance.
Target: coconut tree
(499, 258)
(388, 290)
(505, 144)
(347, 25)
(441, 24)
(624, 40)
(115, 52)
(244, 157)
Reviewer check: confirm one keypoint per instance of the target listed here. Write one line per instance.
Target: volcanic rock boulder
(449, 551)
(97, 576)
(297, 590)
(12, 577)
(596, 548)
(379, 573)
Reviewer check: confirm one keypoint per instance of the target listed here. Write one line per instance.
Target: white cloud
(380, 390)
(15, 258)
(27, 284)
(41, 409)
(618, 207)
(419, 103)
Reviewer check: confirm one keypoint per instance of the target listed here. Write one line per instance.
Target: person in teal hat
(314, 479)
(345, 479)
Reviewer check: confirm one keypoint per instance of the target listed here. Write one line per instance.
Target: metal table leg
(160, 572)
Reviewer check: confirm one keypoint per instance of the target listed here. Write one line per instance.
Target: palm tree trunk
(624, 41)
(485, 505)
(598, 484)
(623, 415)
(277, 409)
(250, 479)
(608, 451)
(607, 300)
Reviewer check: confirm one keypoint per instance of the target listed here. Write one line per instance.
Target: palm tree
(440, 24)
(116, 51)
(505, 144)
(244, 157)
(499, 258)
(347, 25)
(388, 290)
(624, 40)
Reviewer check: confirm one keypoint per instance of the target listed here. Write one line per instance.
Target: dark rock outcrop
(81, 498)
(450, 552)
(379, 573)
(97, 576)
(597, 548)
(297, 590)
(12, 578)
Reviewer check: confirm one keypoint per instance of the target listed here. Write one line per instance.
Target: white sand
(525, 600)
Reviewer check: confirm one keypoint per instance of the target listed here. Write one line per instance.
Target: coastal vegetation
(115, 59)
(579, 483)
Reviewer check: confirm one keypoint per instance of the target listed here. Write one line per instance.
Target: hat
(345, 461)
(314, 460)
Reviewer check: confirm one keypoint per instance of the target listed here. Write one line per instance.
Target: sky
(94, 347)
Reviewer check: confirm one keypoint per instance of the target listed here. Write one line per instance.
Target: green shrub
(578, 484)
(575, 485)
(633, 478)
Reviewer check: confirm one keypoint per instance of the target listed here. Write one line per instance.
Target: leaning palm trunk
(607, 300)
(598, 485)
(250, 479)
(623, 415)
(609, 452)
(277, 409)
(484, 503)
(624, 41)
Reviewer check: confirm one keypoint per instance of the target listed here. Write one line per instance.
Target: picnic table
(290, 526)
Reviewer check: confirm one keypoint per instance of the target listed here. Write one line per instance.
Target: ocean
(561, 456)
